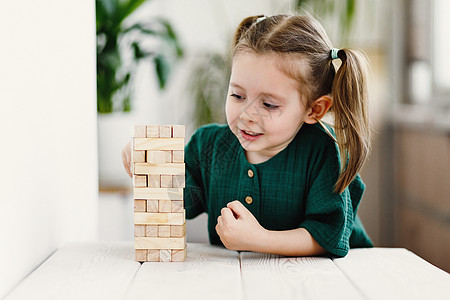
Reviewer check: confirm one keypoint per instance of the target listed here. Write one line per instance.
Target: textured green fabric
(293, 189)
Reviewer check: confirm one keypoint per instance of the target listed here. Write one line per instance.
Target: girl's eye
(269, 106)
(237, 97)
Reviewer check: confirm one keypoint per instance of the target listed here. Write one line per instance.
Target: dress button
(250, 173)
(249, 200)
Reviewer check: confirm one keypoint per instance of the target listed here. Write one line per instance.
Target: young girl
(275, 179)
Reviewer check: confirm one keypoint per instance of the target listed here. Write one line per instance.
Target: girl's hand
(238, 229)
(126, 158)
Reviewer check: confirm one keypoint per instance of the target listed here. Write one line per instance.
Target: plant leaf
(162, 69)
(172, 37)
(128, 7)
(140, 28)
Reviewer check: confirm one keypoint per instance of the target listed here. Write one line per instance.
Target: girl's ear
(318, 109)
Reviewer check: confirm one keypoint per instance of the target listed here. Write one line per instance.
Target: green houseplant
(113, 74)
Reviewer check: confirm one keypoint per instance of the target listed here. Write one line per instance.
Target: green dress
(291, 190)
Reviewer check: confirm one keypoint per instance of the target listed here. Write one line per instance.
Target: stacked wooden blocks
(157, 158)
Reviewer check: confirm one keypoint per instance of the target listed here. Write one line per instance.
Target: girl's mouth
(250, 136)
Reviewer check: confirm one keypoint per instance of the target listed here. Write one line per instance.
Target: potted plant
(125, 42)
(113, 75)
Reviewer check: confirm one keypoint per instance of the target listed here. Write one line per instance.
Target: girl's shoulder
(316, 136)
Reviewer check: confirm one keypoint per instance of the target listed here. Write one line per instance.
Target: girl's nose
(246, 116)
(249, 113)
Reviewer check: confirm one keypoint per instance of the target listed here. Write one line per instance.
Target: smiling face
(264, 108)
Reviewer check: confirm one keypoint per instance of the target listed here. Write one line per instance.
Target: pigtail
(243, 27)
(350, 106)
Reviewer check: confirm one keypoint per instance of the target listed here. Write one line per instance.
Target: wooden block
(154, 181)
(153, 206)
(158, 165)
(159, 243)
(169, 157)
(177, 206)
(140, 205)
(159, 157)
(140, 180)
(178, 131)
(166, 181)
(165, 231)
(178, 181)
(178, 156)
(165, 255)
(140, 255)
(162, 169)
(151, 230)
(158, 193)
(153, 255)
(140, 131)
(139, 230)
(165, 131)
(177, 230)
(164, 206)
(158, 144)
(137, 156)
(141, 218)
(179, 255)
(152, 131)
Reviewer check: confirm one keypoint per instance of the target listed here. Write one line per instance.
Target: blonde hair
(304, 42)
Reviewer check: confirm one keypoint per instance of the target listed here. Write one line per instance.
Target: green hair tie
(260, 19)
(334, 53)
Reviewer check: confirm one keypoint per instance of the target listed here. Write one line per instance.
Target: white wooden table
(108, 271)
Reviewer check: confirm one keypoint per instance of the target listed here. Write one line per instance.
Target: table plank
(209, 272)
(386, 273)
(82, 271)
(108, 271)
(268, 276)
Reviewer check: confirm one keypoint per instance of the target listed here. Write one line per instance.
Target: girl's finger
(237, 208)
(227, 214)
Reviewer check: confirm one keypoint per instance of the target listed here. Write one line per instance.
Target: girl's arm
(295, 242)
(239, 230)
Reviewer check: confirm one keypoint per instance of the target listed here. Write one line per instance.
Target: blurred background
(76, 76)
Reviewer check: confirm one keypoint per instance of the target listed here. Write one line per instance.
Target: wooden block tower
(157, 162)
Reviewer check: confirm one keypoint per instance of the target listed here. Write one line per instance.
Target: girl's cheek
(231, 112)
(229, 115)
(232, 119)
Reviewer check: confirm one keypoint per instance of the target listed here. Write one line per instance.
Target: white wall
(48, 151)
